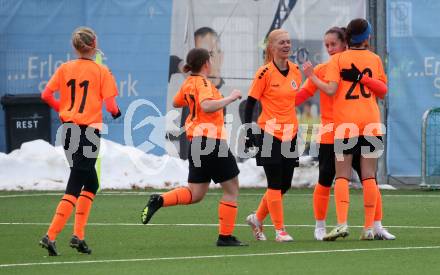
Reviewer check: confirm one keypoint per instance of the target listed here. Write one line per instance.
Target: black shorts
(217, 164)
(327, 169)
(359, 145)
(272, 151)
(81, 146)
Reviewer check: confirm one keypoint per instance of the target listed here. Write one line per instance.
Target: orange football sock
(181, 195)
(262, 209)
(227, 213)
(62, 215)
(321, 196)
(378, 213)
(275, 206)
(370, 198)
(83, 207)
(342, 200)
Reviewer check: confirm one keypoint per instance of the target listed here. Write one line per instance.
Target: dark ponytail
(358, 30)
(341, 33)
(186, 68)
(195, 60)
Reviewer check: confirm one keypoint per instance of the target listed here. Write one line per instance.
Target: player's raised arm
(329, 88)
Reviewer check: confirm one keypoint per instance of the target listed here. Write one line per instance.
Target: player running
(209, 155)
(83, 85)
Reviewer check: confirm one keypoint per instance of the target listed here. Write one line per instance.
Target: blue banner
(134, 36)
(414, 80)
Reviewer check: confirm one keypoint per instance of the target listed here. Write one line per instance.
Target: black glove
(118, 114)
(352, 75)
(250, 140)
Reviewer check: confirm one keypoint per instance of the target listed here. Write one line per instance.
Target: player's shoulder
(320, 67)
(336, 56)
(68, 63)
(105, 71)
(338, 59)
(294, 68)
(263, 70)
(376, 56)
(89, 64)
(366, 53)
(102, 67)
(293, 65)
(202, 81)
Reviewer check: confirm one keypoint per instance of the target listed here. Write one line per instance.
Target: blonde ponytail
(84, 40)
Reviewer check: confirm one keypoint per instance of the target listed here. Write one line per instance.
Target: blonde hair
(84, 40)
(273, 35)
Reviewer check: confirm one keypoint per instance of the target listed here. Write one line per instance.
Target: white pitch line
(223, 256)
(261, 194)
(30, 195)
(127, 193)
(211, 225)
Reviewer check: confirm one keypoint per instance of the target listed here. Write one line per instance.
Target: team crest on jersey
(294, 85)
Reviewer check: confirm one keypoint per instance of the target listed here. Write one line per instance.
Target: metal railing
(430, 174)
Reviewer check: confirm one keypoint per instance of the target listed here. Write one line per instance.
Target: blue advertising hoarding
(134, 36)
(414, 80)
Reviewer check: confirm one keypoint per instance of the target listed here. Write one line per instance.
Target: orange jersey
(193, 91)
(353, 102)
(326, 134)
(276, 94)
(83, 85)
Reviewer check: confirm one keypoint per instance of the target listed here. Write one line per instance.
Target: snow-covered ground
(38, 165)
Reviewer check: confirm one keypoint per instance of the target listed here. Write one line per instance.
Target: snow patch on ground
(38, 165)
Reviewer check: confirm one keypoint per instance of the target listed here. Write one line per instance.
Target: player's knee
(230, 188)
(230, 196)
(368, 176)
(368, 173)
(197, 197)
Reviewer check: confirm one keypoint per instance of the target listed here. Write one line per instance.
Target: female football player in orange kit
(275, 86)
(209, 155)
(83, 86)
(356, 78)
(335, 42)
